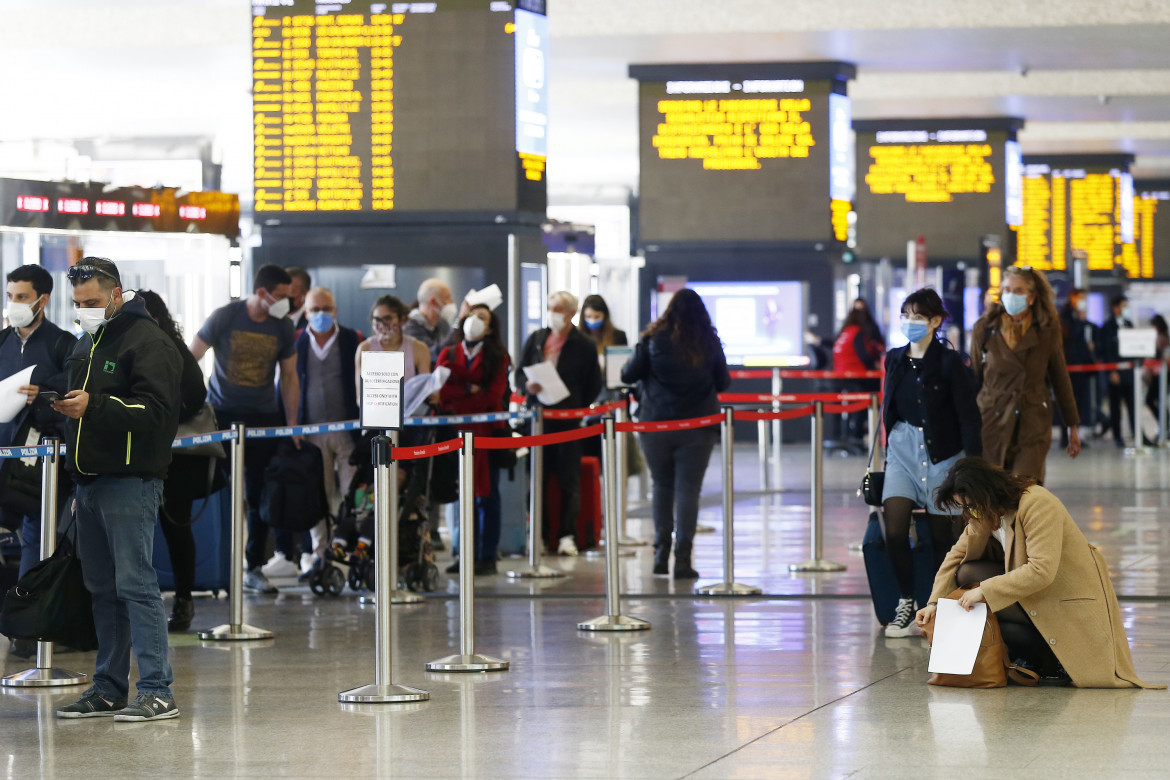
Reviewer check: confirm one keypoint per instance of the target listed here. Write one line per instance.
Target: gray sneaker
(256, 582)
(148, 707)
(90, 705)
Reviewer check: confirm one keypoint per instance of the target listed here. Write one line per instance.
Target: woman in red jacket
(478, 383)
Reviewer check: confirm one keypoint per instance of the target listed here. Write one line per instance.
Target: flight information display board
(756, 152)
(1076, 203)
(391, 109)
(1149, 254)
(951, 181)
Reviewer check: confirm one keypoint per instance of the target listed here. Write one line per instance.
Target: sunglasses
(83, 273)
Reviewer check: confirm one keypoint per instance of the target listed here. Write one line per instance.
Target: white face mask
(280, 309)
(91, 320)
(473, 328)
(449, 312)
(21, 315)
(556, 321)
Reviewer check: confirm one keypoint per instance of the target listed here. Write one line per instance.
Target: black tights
(897, 513)
(1024, 641)
(176, 528)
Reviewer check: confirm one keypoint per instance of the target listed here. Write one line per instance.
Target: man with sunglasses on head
(251, 338)
(31, 340)
(122, 411)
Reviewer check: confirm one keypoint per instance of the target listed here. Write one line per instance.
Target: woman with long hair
(858, 348)
(598, 326)
(187, 478)
(931, 421)
(1023, 555)
(387, 316)
(1017, 354)
(680, 368)
(479, 364)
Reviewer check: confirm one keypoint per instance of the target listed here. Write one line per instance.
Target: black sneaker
(90, 705)
(181, 614)
(683, 571)
(661, 568)
(22, 648)
(148, 707)
(903, 619)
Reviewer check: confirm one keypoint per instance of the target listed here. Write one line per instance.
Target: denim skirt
(909, 472)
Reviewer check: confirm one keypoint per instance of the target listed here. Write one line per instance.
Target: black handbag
(873, 482)
(20, 478)
(50, 602)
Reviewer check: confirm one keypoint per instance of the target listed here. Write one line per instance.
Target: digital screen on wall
(1150, 250)
(759, 323)
(1078, 203)
(751, 153)
(389, 108)
(951, 181)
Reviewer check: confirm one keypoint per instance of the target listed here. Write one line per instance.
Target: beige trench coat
(1014, 396)
(1063, 584)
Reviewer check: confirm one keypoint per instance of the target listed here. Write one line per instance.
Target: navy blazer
(953, 422)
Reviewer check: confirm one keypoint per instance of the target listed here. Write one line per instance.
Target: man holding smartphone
(30, 340)
(122, 412)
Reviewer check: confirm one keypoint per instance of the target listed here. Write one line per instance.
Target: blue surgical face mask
(594, 324)
(1014, 303)
(321, 321)
(915, 331)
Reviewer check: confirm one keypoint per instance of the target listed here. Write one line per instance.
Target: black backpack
(294, 488)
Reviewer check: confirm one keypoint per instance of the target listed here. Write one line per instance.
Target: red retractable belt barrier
(578, 414)
(669, 425)
(787, 414)
(751, 373)
(546, 439)
(801, 373)
(845, 408)
(791, 398)
(428, 451)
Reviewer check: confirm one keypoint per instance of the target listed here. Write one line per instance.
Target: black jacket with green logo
(131, 370)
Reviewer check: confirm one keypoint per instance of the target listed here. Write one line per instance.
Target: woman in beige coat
(1050, 589)
(1017, 354)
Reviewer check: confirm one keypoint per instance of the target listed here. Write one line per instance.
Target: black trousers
(1121, 394)
(1024, 641)
(564, 462)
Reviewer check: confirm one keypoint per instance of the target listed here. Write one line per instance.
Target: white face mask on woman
(473, 328)
(556, 321)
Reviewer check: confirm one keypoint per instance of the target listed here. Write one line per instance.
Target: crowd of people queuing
(967, 434)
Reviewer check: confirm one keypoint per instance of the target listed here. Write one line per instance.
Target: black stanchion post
(729, 587)
(816, 563)
(235, 629)
(467, 660)
(43, 675)
(536, 569)
(383, 691)
(613, 620)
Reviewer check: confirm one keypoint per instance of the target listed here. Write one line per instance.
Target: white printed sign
(1137, 342)
(615, 360)
(382, 374)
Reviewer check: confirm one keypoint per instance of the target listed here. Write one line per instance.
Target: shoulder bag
(992, 668)
(202, 423)
(873, 482)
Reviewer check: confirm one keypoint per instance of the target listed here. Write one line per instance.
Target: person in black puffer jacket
(680, 369)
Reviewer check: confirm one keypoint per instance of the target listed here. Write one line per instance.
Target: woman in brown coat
(1050, 590)
(1017, 355)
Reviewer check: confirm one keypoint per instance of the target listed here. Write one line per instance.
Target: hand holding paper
(490, 296)
(957, 636)
(552, 387)
(12, 400)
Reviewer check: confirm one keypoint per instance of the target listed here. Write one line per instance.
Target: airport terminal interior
(787, 162)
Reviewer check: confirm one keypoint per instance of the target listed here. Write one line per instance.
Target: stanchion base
(468, 663)
(729, 589)
(627, 541)
(816, 565)
(856, 547)
(1139, 451)
(541, 572)
(594, 555)
(44, 678)
(396, 597)
(614, 623)
(240, 633)
(382, 694)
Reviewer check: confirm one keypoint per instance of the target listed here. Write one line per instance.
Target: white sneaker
(903, 619)
(568, 546)
(306, 562)
(279, 566)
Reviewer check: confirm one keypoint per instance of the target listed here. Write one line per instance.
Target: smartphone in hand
(52, 396)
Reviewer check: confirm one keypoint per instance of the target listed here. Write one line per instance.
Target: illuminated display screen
(759, 323)
(381, 108)
(1150, 250)
(951, 181)
(1077, 203)
(744, 153)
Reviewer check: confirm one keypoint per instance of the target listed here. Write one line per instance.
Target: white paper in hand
(552, 387)
(11, 399)
(957, 636)
(490, 296)
(419, 388)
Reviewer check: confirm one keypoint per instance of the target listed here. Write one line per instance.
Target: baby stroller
(350, 560)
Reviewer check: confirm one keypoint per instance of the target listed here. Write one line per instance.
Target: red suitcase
(589, 520)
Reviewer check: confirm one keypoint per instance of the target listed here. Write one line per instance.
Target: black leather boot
(662, 559)
(682, 564)
(181, 614)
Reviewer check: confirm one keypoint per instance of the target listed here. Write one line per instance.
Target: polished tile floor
(798, 683)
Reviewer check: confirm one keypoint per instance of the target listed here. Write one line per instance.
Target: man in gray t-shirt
(251, 338)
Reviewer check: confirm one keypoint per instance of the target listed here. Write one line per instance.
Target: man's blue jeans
(115, 530)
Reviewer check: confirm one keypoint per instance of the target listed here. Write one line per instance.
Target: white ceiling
(1088, 75)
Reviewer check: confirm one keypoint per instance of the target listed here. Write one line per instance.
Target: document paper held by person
(552, 387)
(957, 636)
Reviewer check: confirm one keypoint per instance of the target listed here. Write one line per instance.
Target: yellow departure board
(1149, 255)
(923, 173)
(1077, 203)
(373, 108)
(735, 134)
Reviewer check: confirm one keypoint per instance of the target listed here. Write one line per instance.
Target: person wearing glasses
(1022, 554)
(931, 421)
(251, 338)
(1017, 354)
(388, 316)
(121, 412)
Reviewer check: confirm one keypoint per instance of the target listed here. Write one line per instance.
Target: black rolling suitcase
(883, 585)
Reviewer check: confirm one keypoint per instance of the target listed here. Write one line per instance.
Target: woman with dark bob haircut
(1050, 590)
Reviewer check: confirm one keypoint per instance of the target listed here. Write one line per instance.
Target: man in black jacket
(123, 411)
(575, 357)
(1120, 382)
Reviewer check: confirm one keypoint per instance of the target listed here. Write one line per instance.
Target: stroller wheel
(367, 578)
(354, 579)
(430, 577)
(334, 581)
(316, 582)
(413, 577)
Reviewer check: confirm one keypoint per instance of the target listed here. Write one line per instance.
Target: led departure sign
(744, 152)
(951, 181)
(1149, 254)
(373, 108)
(1077, 202)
